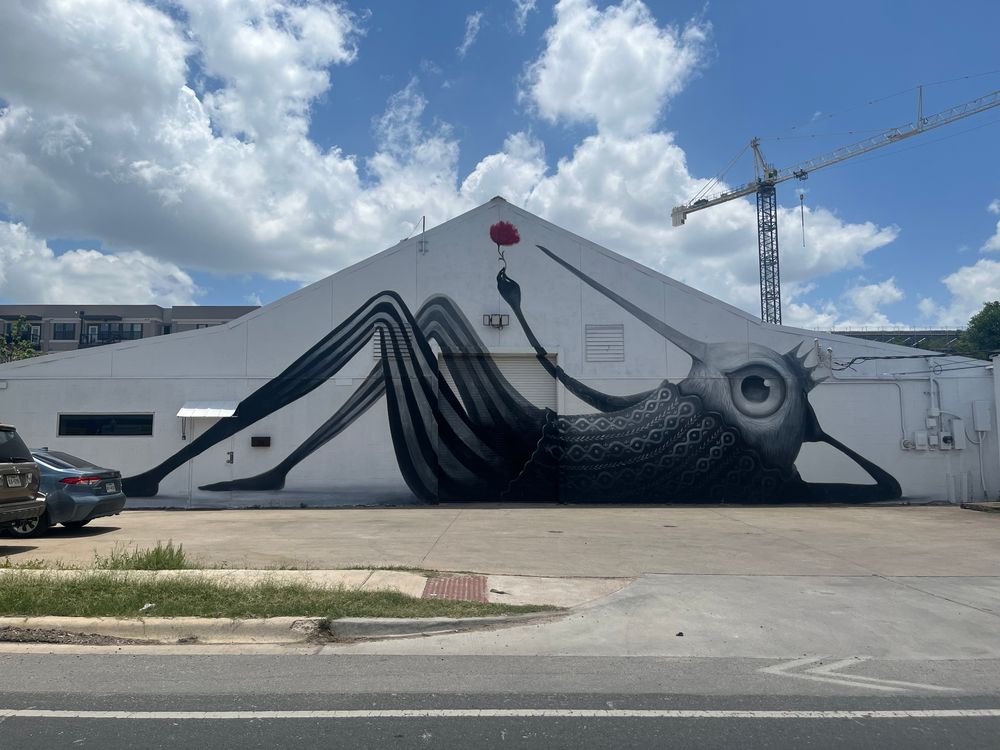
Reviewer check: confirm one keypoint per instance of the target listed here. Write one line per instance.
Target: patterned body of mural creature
(729, 432)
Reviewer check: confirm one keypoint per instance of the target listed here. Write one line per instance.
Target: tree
(982, 336)
(16, 343)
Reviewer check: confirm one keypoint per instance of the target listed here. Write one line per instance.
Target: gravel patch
(34, 635)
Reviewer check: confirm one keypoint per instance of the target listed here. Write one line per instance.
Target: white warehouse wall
(876, 408)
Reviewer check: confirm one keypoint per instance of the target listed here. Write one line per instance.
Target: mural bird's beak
(697, 349)
(886, 487)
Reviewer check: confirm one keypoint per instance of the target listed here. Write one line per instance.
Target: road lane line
(516, 713)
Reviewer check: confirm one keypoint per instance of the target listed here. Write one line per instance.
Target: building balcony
(109, 337)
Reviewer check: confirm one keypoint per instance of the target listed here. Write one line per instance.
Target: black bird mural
(729, 432)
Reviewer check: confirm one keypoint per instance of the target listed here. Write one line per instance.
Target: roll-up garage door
(524, 373)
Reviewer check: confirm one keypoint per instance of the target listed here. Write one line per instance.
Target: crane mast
(766, 177)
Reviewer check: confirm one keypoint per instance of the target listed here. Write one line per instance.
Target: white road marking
(828, 673)
(525, 713)
(828, 668)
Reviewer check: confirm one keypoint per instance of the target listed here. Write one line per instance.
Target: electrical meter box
(982, 420)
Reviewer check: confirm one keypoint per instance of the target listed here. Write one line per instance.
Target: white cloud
(512, 173)
(521, 10)
(473, 22)
(868, 298)
(858, 307)
(616, 67)
(272, 58)
(993, 243)
(970, 288)
(31, 272)
(210, 166)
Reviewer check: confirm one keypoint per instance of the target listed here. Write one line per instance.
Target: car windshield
(12, 448)
(60, 460)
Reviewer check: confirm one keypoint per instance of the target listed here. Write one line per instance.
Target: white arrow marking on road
(828, 673)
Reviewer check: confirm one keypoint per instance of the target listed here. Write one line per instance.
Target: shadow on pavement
(9, 550)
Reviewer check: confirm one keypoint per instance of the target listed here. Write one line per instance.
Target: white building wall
(875, 407)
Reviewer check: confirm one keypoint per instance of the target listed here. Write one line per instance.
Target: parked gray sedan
(76, 492)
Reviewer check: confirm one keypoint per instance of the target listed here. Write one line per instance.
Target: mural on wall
(729, 432)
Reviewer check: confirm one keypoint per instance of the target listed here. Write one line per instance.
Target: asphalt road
(79, 699)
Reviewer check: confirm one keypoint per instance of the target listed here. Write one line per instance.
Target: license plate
(111, 487)
(13, 480)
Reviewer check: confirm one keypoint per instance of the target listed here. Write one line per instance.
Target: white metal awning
(211, 409)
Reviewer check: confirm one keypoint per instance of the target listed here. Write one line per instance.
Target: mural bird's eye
(758, 390)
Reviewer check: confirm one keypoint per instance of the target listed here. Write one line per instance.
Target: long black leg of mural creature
(439, 451)
(500, 414)
(305, 374)
(370, 391)
(492, 403)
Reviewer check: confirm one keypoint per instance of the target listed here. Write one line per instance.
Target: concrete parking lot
(559, 541)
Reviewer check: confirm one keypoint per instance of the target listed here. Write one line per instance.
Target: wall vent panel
(604, 342)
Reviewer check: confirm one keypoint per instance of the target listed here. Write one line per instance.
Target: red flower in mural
(504, 233)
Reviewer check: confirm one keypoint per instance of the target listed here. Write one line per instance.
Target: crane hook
(802, 214)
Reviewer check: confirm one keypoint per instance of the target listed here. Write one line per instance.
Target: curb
(389, 627)
(183, 629)
(271, 630)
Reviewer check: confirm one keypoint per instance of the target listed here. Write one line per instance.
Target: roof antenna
(422, 242)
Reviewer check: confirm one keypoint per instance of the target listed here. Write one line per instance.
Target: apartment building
(59, 328)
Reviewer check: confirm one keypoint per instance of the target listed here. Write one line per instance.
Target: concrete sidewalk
(826, 583)
(567, 541)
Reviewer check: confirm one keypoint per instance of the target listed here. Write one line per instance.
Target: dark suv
(19, 498)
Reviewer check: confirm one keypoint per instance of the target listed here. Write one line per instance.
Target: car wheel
(76, 524)
(27, 527)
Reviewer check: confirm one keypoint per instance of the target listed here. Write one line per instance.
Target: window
(64, 331)
(605, 343)
(28, 332)
(60, 460)
(110, 333)
(76, 425)
(12, 448)
(203, 325)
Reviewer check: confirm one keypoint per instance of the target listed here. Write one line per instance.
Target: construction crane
(766, 177)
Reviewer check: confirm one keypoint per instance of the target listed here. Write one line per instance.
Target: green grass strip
(113, 594)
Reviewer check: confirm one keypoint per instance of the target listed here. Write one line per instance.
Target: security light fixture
(496, 320)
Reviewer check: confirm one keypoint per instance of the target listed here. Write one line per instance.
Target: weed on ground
(161, 557)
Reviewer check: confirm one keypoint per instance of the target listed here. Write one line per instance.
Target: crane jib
(768, 177)
(885, 138)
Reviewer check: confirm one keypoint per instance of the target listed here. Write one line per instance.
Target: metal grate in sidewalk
(465, 588)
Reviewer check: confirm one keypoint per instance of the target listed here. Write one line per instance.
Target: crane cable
(878, 100)
(718, 178)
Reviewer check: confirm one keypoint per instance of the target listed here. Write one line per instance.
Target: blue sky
(233, 152)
